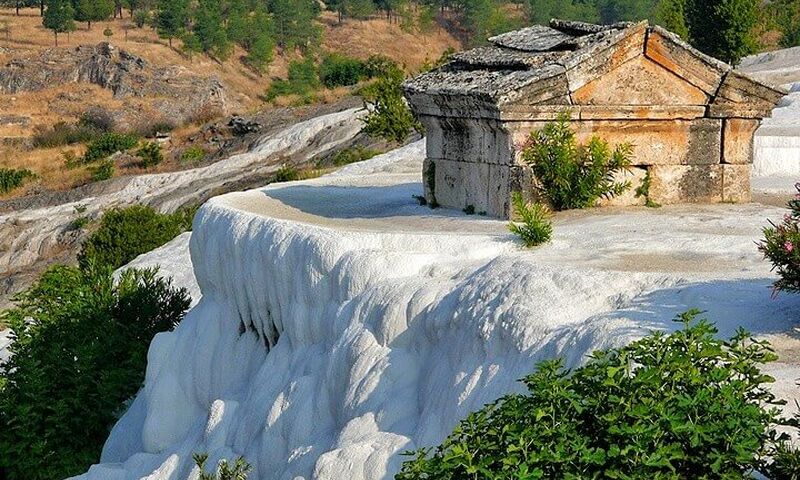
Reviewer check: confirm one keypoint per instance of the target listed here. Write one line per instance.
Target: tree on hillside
(18, 4)
(171, 18)
(295, 24)
(611, 11)
(58, 17)
(723, 28)
(541, 11)
(485, 18)
(93, 11)
(671, 14)
(209, 29)
(259, 40)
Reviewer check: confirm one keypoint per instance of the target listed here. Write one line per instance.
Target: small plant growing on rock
(238, 470)
(107, 144)
(150, 154)
(669, 406)
(534, 227)
(572, 175)
(781, 245)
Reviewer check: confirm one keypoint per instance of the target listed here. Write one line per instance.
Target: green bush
(79, 354)
(238, 470)
(388, 114)
(125, 233)
(572, 175)
(141, 18)
(337, 70)
(12, 178)
(781, 245)
(302, 80)
(150, 154)
(534, 227)
(194, 154)
(107, 144)
(102, 171)
(678, 406)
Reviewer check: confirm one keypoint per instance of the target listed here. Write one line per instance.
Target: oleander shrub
(238, 470)
(107, 144)
(150, 155)
(669, 406)
(337, 70)
(79, 353)
(534, 226)
(781, 246)
(125, 233)
(571, 175)
(13, 178)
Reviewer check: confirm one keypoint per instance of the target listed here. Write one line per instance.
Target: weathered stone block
(471, 140)
(639, 82)
(635, 176)
(736, 183)
(499, 196)
(737, 140)
(671, 184)
(677, 56)
(459, 184)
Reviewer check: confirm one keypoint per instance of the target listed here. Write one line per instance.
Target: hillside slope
(341, 324)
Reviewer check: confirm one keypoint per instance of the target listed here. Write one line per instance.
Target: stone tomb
(691, 118)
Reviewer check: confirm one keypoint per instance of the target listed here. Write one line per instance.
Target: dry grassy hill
(23, 112)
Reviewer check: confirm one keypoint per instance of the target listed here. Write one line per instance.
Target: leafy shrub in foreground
(572, 175)
(12, 178)
(781, 245)
(108, 144)
(677, 406)
(534, 227)
(225, 470)
(125, 233)
(80, 352)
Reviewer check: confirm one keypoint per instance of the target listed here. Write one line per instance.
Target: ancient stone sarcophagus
(690, 117)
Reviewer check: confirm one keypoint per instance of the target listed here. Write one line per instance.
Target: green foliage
(541, 11)
(781, 245)
(102, 171)
(337, 70)
(107, 144)
(572, 175)
(785, 16)
(238, 470)
(295, 25)
(388, 114)
(209, 29)
(723, 28)
(302, 80)
(484, 18)
(126, 233)
(287, 173)
(141, 18)
(194, 154)
(683, 405)
(93, 10)
(12, 178)
(59, 17)
(671, 14)
(534, 227)
(151, 155)
(171, 18)
(79, 353)
(259, 40)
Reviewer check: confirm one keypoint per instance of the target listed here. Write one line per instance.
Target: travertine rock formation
(691, 118)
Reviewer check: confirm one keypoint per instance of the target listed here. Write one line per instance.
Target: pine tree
(294, 22)
(259, 41)
(58, 17)
(171, 18)
(93, 11)
(209, 28)
(723, 28)
(237, 24)
(671, 14)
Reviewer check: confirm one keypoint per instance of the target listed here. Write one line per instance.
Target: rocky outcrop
(180, 93)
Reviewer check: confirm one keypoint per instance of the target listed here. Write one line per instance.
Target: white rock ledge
(341, 323)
